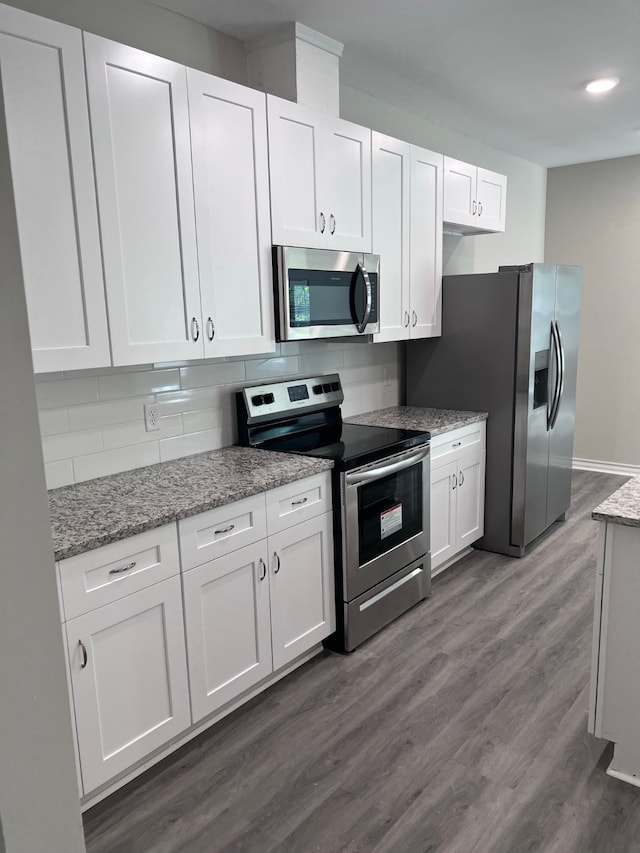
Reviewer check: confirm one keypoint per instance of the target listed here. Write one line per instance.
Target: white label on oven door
(390, 521)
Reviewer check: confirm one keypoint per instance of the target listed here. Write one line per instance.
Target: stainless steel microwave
(321, 293)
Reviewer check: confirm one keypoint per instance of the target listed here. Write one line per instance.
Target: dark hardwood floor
(461, 728)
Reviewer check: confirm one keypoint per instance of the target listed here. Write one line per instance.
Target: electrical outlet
(151, 417)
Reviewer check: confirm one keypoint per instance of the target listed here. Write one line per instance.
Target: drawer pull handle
(301, 501)
(461, 478)
(277, 559)
(455, 482)
(456, 444)
(85, 656)
(264, 569)
(126, 568)
(224, 530)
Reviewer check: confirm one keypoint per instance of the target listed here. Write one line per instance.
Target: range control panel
(285, 398)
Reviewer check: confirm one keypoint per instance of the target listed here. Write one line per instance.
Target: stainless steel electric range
(380, 497)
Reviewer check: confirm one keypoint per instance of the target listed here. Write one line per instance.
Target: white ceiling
(507, 72)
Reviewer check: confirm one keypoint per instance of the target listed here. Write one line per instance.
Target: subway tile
(205, 375)
(112, 461)
(137, 384)
(123, 435)
(191, 400)
(187, 445)
(202, 420)
(106, 371)
(363, 356)
(54, 376)
(66, 392)
(71, 444)
(274, 353)
(107, 413)
(272, 367)
(58, 473)
(53, 421)
(327, 361)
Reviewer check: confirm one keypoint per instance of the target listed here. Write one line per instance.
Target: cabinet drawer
(295, 502)
(109, 573)
(221, 530)
(449, 444)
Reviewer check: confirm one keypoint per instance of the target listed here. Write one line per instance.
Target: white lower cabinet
(129, 679)
(457, 492)
(254, 610)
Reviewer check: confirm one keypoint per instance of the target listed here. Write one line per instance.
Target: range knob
(269, 398)
(317, 389)
(258, 400)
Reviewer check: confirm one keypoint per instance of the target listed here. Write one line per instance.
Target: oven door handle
(356, 477)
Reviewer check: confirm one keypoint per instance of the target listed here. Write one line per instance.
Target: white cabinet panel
(231, 188)
(295, 502)
(390, 210)
(492, 200)
(226, 605)
(320, 170)
(45, 99)
(443, 513)
(426, 243)
(301, 587)
(475, 199)
(470, 519)
(460, 192)
(131, 696)
(140, 123)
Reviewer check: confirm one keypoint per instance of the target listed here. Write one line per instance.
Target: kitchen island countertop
(435, 421)
(93, 513)
(622, 507)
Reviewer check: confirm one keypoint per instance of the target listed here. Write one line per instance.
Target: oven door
(385, 519)
(323, 293)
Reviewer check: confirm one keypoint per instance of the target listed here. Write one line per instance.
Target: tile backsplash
(92, 421)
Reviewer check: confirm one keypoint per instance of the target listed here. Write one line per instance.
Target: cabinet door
(226, 606)
(345, 185)
(231, 189)
(443, 513)
(391, 167)
(45, 101)
(301, 587)
(470, 511)
(492, 200)
(294, 151)
(140, 122)
(131, 696)
(426, 243)
(460, 188)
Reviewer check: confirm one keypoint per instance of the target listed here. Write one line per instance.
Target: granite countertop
(622, 507)
(435, 421)
(90, 514)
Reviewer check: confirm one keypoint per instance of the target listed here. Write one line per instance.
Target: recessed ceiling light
(602, 84)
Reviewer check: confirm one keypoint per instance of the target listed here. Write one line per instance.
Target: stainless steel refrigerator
(509, 347)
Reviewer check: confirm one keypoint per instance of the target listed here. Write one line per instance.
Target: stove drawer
(287, 505)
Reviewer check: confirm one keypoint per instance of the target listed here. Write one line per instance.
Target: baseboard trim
(606, 467)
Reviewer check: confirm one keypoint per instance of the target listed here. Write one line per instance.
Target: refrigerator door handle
(555, 399)
(561, 362)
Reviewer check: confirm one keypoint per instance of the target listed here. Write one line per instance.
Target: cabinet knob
(211, 329)
(195, 329)
(332, 220)
(323, 222)
(277, 559)
(415, 319)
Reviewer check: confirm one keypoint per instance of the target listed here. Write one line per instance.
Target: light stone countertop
(435, 421)
(622, 507)
(96, 512)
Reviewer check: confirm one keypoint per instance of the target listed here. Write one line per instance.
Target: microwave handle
(361, 270)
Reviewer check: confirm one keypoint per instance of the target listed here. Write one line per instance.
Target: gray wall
(593, 219)
(39, 807)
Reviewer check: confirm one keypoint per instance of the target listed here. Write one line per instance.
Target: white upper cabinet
(320, 169)
(42, 69)
(140, 123)
(231, 188)
(426, 243)
(407, 234)
(475, 199)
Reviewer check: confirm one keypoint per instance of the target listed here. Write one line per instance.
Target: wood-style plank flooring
(461, 728)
